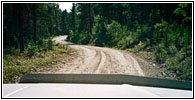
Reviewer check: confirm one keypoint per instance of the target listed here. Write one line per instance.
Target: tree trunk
(90, 20)
(21, 27)
(73, 19)
(34, 23)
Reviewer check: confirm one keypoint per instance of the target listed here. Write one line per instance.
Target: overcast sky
(65, 5)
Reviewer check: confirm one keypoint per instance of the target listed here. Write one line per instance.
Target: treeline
(163, 29)
(26, 25)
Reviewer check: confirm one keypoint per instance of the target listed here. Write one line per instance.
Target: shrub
(181, 65)
(11, 74)
(41, 43)
(172, 50)
(140, 46)
(49, 44)
(31, 49)
(70, 36)
(185, 69)
(10, 51)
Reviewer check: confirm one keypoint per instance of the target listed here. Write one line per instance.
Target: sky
(65, 5)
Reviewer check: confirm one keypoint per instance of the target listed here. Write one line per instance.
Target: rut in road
(99, 60)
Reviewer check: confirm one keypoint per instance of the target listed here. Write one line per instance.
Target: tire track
(134, 63)
(97, 60)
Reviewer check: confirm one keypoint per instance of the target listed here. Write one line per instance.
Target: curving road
(97, 60)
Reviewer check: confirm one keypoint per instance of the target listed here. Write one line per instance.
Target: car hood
(68, 90)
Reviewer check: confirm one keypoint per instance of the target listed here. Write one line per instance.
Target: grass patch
(14, 66)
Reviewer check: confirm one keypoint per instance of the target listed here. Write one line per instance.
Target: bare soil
(100, 60)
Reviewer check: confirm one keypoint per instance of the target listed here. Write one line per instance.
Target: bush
(181, 65)
(11, 74)
(41, 43)
(70, 36)
(139, 47)
(49, 44)
(181, 55)
(171, 63)
(31, 49)
(11, 51)
(121, 37)
(82, 38)
(115, 30)
(172, 50)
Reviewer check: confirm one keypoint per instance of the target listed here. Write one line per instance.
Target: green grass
(14, 66)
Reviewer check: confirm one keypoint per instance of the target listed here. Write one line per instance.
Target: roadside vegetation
(33, 60)
(161, 32)
(27, 32)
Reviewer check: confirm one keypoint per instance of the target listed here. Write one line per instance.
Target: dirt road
(91, 59)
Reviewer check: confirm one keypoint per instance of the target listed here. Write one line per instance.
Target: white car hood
(68, 90)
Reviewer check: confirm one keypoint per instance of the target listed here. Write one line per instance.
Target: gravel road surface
(97, 60)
